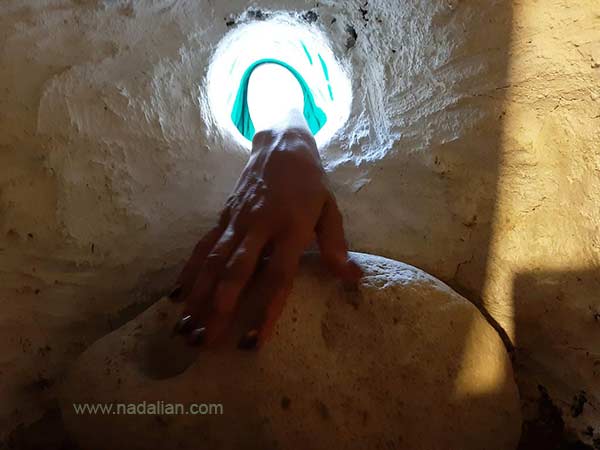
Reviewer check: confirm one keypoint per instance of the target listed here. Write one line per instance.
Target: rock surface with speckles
(401, 363)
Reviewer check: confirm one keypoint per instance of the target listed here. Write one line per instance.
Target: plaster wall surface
(472, 152)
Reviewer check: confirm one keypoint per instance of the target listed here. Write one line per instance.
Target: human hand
(279, 203)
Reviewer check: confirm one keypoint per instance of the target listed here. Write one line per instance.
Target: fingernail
(248, 341)
(197, 336)
(175, 293)
(183, 325)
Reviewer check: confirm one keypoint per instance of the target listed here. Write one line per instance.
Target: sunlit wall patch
(278, 44)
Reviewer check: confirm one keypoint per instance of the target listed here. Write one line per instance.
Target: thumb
(332, 244)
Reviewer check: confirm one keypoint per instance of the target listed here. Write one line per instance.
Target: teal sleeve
(315, 117)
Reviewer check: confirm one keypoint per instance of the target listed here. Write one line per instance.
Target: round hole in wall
(262, 68)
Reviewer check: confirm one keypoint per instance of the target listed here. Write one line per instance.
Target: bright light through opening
(304, 68)
(267, 84)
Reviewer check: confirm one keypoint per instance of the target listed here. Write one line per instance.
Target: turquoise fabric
(315, 117)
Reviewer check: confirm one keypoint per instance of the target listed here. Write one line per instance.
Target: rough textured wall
(543, 283)
(472, 152)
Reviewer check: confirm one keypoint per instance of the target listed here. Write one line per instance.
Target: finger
(274, 285)
(280, 292)
(186, 278)
(332, 244)
(185, 281)
(232, 281)
(197, 305)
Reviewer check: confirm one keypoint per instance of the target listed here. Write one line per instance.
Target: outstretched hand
(280, 202)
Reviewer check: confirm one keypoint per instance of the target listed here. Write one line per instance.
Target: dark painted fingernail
(183, 325)
(175, 293)
(249, 340)
(197, 336)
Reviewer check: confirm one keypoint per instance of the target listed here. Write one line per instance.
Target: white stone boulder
(403, 362)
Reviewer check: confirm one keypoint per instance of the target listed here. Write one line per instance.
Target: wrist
(292, 140)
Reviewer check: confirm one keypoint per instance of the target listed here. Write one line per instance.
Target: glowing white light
(302, 46)
(272, 92)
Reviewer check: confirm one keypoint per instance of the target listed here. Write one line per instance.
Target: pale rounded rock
(402, 362)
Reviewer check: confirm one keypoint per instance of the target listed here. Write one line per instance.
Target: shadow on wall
(540, 350)
(432, 197)
(547, 298)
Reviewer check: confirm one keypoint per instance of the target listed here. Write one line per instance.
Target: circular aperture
(263, 68)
